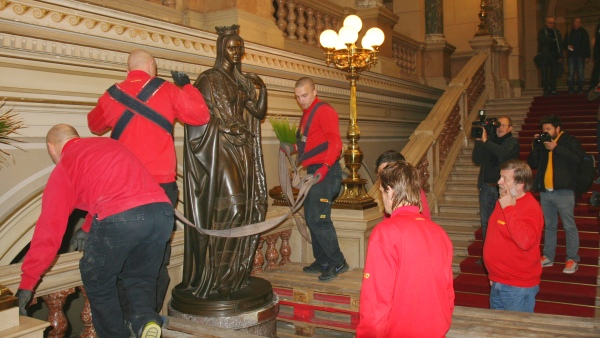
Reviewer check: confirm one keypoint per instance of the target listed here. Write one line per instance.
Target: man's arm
(569, 151)
(97, 119)
(525, 228)
(478, 151)
(57, 205)
(509, 149)
(190, 107)
(377, 288)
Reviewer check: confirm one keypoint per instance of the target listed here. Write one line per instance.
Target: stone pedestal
(260, 322)
(496, 65)
(436, 62)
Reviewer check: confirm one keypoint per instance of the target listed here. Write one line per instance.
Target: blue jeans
(576, 65)
(512, 298)
(317, 212)
(488, 196)
(129, 245)
(561, 202)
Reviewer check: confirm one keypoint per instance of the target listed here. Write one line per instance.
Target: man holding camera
(555, 154)
(489, 153)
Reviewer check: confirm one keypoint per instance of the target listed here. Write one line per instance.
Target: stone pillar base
(436, 62)
(260, 322)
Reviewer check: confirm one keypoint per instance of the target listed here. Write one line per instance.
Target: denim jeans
(559, 202)
(129, 245)
(512, 298)
(488, 196)
(576, 65)
(317, 212)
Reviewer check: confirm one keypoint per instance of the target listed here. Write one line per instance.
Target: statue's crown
(228, 30)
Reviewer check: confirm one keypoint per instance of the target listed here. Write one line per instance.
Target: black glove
(24, 297)
(78, 240)
(180, 78)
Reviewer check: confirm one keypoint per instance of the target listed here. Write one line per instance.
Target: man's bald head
(57, 137)
(141, 60)
(303, 81)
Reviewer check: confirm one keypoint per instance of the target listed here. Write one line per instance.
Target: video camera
(490, 126)
(544, 137)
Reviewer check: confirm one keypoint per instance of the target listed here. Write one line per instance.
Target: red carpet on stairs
(563, 294)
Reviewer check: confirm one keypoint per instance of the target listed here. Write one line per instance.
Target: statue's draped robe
(224, 188)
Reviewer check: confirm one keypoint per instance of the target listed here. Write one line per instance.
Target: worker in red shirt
(141, 111)
(407, 288)
(129, 223)
(319, 146)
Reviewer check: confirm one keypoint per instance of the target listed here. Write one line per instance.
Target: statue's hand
(24, 297)
(180, 78)
(258, 82)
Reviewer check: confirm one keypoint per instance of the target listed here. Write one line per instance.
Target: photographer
(555, 154)
(489, 153)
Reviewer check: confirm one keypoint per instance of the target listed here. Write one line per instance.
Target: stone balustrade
(304, 20)
(405, 54)
(63, 278)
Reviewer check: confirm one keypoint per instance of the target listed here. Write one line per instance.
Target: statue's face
(234, 50)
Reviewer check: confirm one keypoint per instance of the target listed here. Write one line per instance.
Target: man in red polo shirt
(129, 223)
(148, 134)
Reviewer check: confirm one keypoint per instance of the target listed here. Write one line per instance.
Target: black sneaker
(331, 272)
(315, 267)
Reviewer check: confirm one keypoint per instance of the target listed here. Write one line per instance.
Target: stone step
(458, 206)
(472, 198)
(457, 218)
(460, 233)
(463, 188)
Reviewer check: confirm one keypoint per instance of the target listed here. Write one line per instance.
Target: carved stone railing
(405, 54)
(63, 277)
(304, 20)
(435, 144)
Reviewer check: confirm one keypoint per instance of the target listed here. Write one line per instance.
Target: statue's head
(230, 45)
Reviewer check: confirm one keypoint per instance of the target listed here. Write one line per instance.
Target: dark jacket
(491, 154)
(549, 43)
(565, 159)
(597, 43)
(580, 40)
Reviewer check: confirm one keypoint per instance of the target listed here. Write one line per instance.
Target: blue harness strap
(137, 106)
(301, 141)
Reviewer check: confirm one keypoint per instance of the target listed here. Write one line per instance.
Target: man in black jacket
(577, 43)
(489, 153)
(596, 57)
(556, 162)
(549, 48)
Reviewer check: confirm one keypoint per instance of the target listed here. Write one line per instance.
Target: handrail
(435, 144)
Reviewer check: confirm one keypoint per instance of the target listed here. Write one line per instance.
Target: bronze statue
(224, 183)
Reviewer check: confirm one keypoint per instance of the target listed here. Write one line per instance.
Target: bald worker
(129, 223)
(141, 111)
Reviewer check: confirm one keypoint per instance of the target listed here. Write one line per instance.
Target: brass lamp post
(343, 53)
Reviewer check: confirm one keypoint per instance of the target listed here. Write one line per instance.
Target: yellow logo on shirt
(366, 275)
(501, 222)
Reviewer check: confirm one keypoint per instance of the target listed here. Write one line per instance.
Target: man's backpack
(586, 170)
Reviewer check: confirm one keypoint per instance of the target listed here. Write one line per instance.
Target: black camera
(490, 126)
(544, 137)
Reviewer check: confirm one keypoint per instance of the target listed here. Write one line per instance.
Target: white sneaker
(546, 262)
(571, 266)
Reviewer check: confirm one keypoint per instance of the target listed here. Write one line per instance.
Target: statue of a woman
(224, 174)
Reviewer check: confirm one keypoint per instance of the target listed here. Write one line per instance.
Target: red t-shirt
(407, 288)
(513, 235)
(150, 143)
(97, 175)
(323, 128)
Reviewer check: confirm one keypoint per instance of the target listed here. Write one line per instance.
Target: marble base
(260, 322)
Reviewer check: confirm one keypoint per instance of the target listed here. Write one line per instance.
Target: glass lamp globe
(366, 42)
(376, 36)
(353, 21)
(329, 38)
(348, 34)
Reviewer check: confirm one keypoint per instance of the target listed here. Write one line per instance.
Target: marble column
(434, 20)
(495, 20)
(437, 52)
